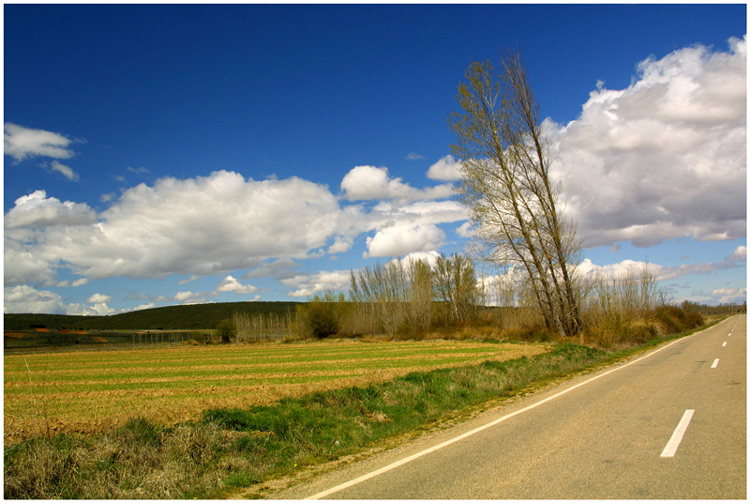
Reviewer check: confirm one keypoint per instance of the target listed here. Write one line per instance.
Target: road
(670, 424)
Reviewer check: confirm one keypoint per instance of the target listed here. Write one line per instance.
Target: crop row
(94, 390)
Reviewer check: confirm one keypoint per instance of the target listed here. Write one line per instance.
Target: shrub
(320, 318)
(198, 337)
(227, 330)
(672, 319)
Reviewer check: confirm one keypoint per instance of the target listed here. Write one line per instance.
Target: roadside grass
(230, 448)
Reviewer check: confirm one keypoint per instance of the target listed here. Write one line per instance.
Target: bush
(672, 319)
(320, 318)
(227, 330)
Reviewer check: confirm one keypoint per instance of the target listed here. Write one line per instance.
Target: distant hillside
(168, 318)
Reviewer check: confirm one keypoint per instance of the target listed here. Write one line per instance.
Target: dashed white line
(674, 442)
(724, 345)
(715, 363)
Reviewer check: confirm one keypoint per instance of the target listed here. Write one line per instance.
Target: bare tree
(507, 186)
(394, 296)
(456, 286)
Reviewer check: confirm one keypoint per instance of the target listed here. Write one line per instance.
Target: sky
(169, 154)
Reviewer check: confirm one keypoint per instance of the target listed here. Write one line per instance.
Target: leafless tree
(506, 185)
(456, 286)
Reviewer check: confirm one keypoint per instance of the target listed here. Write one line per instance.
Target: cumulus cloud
(307, 285)
(99, 298)
(430, 257)
(661, 272)
(27, 299)
(21, 142)
(37, 210)
(403, 229)
(199, 226)
(663, 158)
(446, 169)
(230, 284)
(401, 239)
(365, 183)
(217, 224)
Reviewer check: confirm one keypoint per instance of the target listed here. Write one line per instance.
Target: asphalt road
(625, 432)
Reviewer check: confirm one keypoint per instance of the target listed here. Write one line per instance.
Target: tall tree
(506, 185)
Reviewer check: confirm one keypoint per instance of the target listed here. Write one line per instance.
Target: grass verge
(232, 448)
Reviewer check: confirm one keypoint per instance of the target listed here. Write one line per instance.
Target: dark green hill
(197, 316)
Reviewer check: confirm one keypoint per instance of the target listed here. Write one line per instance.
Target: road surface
(670, 424)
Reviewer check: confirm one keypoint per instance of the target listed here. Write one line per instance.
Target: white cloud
(138, 171)
(230, 284)
(730, 295)
(661, 272)
(364, 183)
(447, 169)
(664, 158)
(430, 257)
(403, 229)
(307, 285)
(99, 298)
(401, 239)
(465, 230)
(66, 171)
(38, 210)
(26, 299)
(739, 254)
(198, 226)
(21, 142)
(186, 296)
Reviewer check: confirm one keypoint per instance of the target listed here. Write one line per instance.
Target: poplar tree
(507, 187)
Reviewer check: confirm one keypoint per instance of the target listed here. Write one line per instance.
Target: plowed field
(93, 391)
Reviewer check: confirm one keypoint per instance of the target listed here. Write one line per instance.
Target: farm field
(91, 391)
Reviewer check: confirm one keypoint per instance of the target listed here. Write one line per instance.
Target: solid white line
(674, 442)
(715, 363)
(411, 458)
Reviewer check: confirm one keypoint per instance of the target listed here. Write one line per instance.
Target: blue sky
(156, 155)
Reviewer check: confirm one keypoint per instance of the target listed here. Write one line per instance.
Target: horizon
(157, 155)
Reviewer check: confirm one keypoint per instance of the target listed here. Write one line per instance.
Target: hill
(197, 316)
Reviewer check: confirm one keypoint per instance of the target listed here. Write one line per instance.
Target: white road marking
(715, 363)
(724, 345)
(411, 458)
(674, 442)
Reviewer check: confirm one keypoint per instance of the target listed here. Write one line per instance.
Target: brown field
(91, 391)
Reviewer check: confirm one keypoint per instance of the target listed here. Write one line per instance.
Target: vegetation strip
(231, 448)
